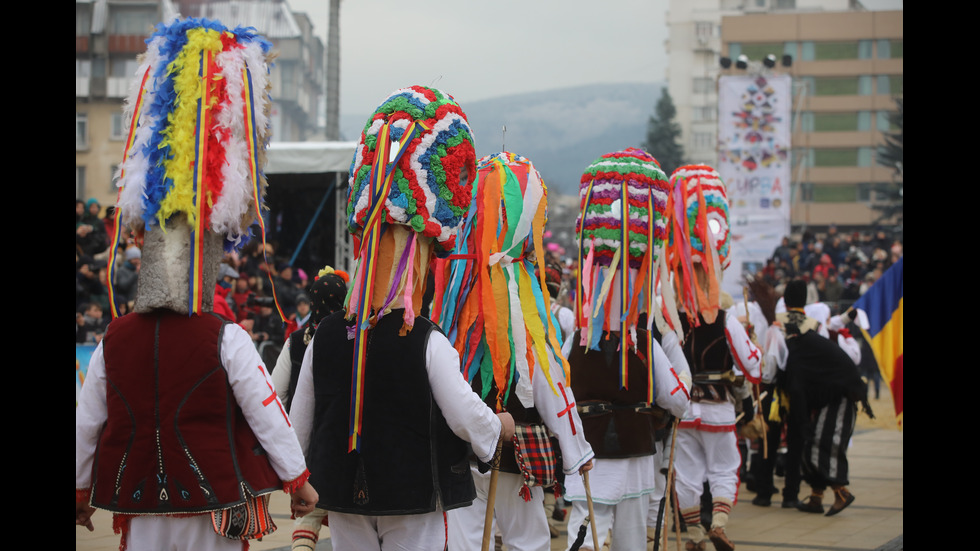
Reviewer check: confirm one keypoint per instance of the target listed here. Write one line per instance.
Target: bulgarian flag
(883, 304)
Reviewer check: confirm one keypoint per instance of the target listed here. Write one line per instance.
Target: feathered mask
(198, 115)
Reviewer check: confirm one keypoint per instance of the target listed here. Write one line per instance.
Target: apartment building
(847, 70)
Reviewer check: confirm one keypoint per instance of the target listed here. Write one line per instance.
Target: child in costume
(714, 343)
(381, 408)
(622, 379)
(178, 431)
(493, 308)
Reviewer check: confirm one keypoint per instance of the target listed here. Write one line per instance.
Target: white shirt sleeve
(673, 380)
(301, 408)
(560, 415)
(90, 416)
(775, 355)
(467, 415)
(748, 358)
(850, 346)
(280, 375)
(253, 390)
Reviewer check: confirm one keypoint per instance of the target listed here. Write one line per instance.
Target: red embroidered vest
(175, 440)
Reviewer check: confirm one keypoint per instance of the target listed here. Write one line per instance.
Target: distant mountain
(561, 131)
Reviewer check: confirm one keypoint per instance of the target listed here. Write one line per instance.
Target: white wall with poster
(754, 140)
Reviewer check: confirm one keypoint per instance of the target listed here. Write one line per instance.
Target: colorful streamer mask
(199, 124)
(699, 235)
(621, 231)
(488, 299)
(414, 167)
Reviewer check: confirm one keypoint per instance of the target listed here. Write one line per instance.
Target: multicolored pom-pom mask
(199, 113)
(489, 302)
(411, 184)
(699, 236)
(621, 230)
(425, 141)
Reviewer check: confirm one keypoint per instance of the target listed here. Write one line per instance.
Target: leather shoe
(811, 504)
(843, 499)
(790, 503)
(762, 500)
(720, 539)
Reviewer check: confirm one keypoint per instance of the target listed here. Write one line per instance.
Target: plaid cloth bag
(535, 457)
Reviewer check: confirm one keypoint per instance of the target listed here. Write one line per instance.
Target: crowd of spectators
(838, 268)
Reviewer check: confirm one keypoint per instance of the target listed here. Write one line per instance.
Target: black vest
(706, 349)
(409, 460)
(624, 424)
(297, 349)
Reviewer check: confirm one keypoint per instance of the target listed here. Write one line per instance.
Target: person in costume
(327, 291)
(717, 348)
(381, 408)
(821, 379)
(492, 307)
(622, 379)
(178, 430)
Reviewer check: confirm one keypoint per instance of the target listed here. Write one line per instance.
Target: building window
(123, 67)
(883, 122)
(865, 157)
(890, 49)
(823, 51)
(758, 51)
(132, 20)
(704, 85)
(889, 84)
(117, 130)
(81, 131)
(835, 193)
(703, 140)
(83, 68)
(785, 4)
(704, 29)
(704, 113)
(839, 86)
(806, 192)
(864, 192)
(834, 157)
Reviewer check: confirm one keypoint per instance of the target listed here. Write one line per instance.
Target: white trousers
(700, 456)
(523, 525)
(424, 532)
(163, 533)
(627, 520)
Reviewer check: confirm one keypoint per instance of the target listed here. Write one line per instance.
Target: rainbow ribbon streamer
(117, 229)
(201, 152)
(381, 178)
(253, 169)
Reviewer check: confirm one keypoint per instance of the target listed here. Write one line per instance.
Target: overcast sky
(476, 50)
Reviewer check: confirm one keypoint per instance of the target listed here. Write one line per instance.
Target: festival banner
(754, 140)
(883, 303)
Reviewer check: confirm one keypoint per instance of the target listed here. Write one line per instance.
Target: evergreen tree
(891, 155)
(663, 135)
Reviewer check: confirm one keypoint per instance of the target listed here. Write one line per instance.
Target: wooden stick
(670, 480)
(588, 497)
(492, 495)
